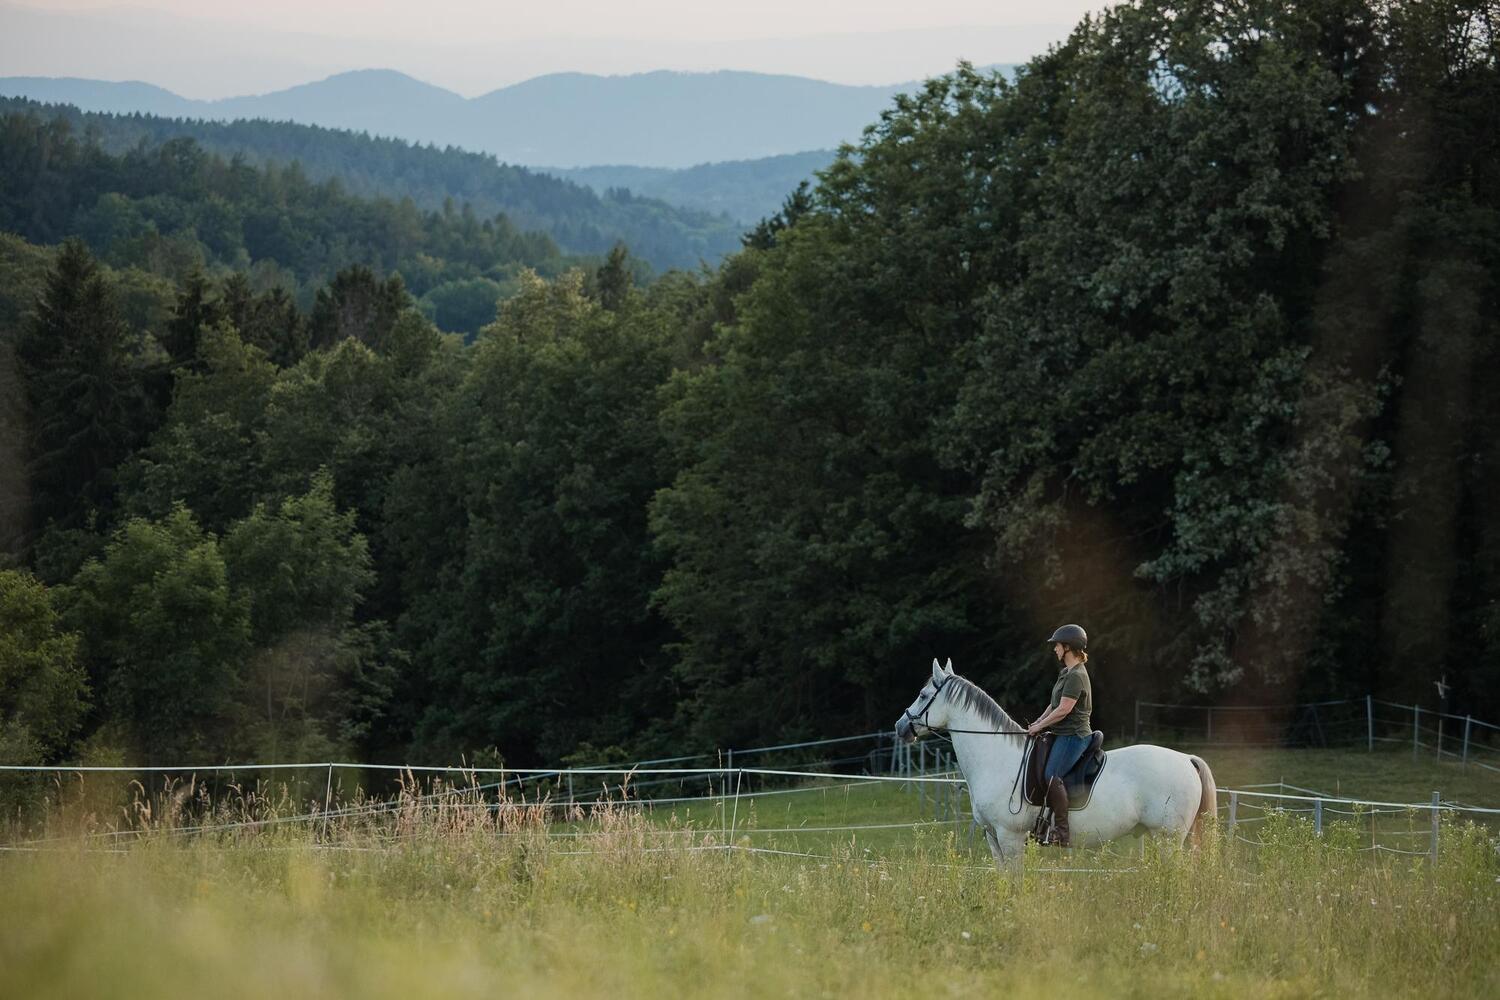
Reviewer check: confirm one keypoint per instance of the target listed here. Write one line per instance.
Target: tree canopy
(1183, 332)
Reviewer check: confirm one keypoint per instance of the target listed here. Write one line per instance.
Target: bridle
(920, 718)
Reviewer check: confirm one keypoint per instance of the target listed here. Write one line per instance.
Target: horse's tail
(1208, 802)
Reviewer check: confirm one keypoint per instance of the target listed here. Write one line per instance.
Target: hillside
(662, 119)
(576, 218)
(746, 190)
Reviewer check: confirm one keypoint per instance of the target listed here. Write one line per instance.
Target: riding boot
(1057, 799)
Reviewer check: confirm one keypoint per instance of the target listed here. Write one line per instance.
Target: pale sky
(210, 48)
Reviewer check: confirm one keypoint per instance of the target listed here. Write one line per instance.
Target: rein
(920, 718)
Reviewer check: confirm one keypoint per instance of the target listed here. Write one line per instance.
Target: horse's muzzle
(905, 731)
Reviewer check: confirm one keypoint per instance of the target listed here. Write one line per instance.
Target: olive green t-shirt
(1073, 682)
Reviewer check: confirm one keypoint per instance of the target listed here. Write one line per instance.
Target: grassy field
(443, 900)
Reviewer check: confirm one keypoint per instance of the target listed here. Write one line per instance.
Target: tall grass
(458, 893)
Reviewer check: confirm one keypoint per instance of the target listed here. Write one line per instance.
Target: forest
(1186, 333)
(577, 219)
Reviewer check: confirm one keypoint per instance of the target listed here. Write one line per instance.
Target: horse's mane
(972, 696)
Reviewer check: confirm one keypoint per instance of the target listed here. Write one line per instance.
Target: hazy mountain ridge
(577, 218)
(661, 119)
(748, 190)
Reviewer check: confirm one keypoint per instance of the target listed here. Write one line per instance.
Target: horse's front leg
(1007, 848)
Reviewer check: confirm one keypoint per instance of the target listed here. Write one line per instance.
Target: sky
(210, 48)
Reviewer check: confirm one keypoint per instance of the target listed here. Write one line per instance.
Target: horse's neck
(978, 746)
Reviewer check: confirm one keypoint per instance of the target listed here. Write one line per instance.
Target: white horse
(1144, 789)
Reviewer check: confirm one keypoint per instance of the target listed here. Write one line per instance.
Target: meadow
(450, 896)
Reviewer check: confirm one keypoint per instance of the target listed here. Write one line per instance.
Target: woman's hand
(1035, 728)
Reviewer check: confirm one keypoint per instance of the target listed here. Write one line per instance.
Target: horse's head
(929, 711)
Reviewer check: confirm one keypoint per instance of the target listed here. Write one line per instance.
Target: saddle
(1079, 781)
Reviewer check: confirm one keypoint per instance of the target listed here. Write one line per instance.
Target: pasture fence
(1344, 722)
(927, 772)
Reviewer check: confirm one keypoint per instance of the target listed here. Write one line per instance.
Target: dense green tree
(315, 682)
(84, 398)
(612, 281)
(528, 566)
(164, 638)
(357, 304)
(797, 204)
(269, 320)
(197, 307)
(42, 686)
(464, 306)
(208, 452)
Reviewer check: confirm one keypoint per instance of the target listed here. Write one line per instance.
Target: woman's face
(1058, 649)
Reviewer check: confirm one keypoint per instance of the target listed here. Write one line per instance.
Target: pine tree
(83, 398)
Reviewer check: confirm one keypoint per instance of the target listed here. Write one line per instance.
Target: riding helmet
(1072, 635)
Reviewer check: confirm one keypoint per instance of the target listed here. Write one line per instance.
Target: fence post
(1468, 724)
(1416, 727)
(1317, 817)
(1137, 721)
(731, 760)
(1436, 801)
(327, 799)
(1234, 811)
(921, 784)
(1370, 723)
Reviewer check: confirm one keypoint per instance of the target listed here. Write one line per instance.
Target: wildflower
(867, 927)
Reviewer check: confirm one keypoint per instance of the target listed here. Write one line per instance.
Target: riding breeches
(1065, 753)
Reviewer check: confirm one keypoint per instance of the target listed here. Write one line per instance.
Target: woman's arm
(1064, 706)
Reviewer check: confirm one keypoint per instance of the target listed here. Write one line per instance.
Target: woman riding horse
(1067, 718)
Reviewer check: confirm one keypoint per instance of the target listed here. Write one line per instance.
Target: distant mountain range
(746, 190)
(564, 120)
(577, 219)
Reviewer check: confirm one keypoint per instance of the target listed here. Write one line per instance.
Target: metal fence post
(1468, 725)
(1370, 722)
(1416, 727)
(1436, 801)
(1234, 811)
(730, 762)
(1317, 817)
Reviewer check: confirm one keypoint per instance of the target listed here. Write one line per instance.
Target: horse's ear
(937, 673)
(949, 668)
